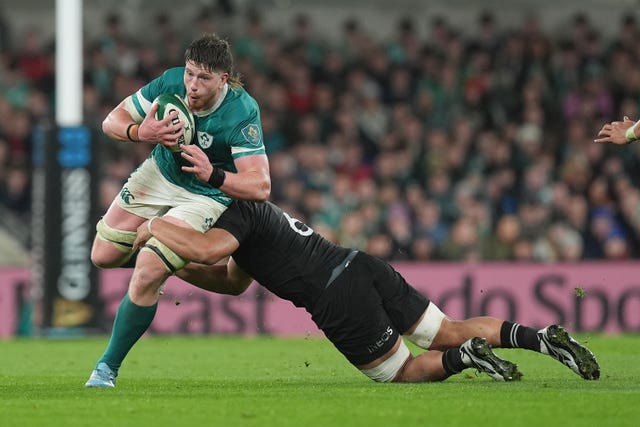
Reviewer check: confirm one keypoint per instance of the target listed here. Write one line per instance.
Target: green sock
(130, 323)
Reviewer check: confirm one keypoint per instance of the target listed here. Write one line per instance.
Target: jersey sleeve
(171, 81)
(245, 138)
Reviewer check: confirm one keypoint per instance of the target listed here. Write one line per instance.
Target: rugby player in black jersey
(363, 306)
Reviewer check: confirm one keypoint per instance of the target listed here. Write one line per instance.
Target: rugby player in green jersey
(361, 303)
(167, 184)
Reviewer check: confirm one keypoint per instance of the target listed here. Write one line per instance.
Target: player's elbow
(207, 259)
(263, 190)
(208, 256)
(105, 126)
(108, 127)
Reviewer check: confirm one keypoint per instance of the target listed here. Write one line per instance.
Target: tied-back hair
(214, 53)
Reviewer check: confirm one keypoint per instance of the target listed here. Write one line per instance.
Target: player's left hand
(201, 166)
(615, 132)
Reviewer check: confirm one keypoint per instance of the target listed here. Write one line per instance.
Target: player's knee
(390, 370)
(148, 275)
(171, 261)
(111, 247)
(428, 327)
(103, 255)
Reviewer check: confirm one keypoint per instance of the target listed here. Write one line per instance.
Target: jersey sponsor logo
(205, 140)
(126, 195)
(386, 335)
(252, 134)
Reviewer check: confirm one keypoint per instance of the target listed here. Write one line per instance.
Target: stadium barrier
(585, 297)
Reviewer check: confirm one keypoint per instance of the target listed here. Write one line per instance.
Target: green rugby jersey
(229, 130)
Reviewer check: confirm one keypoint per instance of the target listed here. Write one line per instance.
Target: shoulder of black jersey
(245, 204)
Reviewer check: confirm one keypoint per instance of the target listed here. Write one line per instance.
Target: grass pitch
(230, 381)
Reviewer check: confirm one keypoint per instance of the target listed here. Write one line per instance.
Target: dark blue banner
(65, 215)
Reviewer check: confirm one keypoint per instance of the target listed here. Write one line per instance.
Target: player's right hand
(161, 132)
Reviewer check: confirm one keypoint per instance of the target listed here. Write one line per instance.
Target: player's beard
(200, 103)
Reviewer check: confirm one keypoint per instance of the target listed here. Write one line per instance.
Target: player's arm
(224, 279)
(251, 182)
(620, 133)
(203, 248)
(123, 125)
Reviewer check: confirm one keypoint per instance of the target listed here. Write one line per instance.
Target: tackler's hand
(142, 235)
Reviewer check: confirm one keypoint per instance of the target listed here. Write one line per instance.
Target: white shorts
(147, 193)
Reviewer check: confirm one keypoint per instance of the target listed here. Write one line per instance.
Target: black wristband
(129, 132)
(217, 177)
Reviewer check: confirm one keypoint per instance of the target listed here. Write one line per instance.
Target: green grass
(218, 381)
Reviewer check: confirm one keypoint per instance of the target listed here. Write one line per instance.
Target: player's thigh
(145, 194)
(115, 233)
(351, 314)
(197, 212)
(403, 303)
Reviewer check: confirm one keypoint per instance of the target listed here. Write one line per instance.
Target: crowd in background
(464, 144)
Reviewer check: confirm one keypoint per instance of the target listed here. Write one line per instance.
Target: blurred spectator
(428, 223)
(501, 244)
(566, 242)
(399, 227)
(351, 233)
(463, 242)
(15, 190)
(250, 42)
(380, 245)
(12, 253)
(304, 45)
(32, 60)
(523, 250)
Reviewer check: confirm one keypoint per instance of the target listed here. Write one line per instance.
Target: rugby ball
(168, 102)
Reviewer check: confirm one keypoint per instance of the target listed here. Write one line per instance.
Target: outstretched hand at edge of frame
(619, 133)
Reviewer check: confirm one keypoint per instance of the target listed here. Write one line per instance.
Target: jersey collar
(214, 107)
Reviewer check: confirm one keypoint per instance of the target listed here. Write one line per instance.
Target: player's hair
(214, 53)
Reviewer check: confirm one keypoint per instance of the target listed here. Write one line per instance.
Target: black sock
(452, 361)
(514, 335)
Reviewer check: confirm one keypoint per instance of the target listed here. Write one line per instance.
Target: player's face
(203, 86)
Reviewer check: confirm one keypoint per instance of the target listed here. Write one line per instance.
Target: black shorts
(364, 310)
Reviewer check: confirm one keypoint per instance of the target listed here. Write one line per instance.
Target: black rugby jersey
(281, 253)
